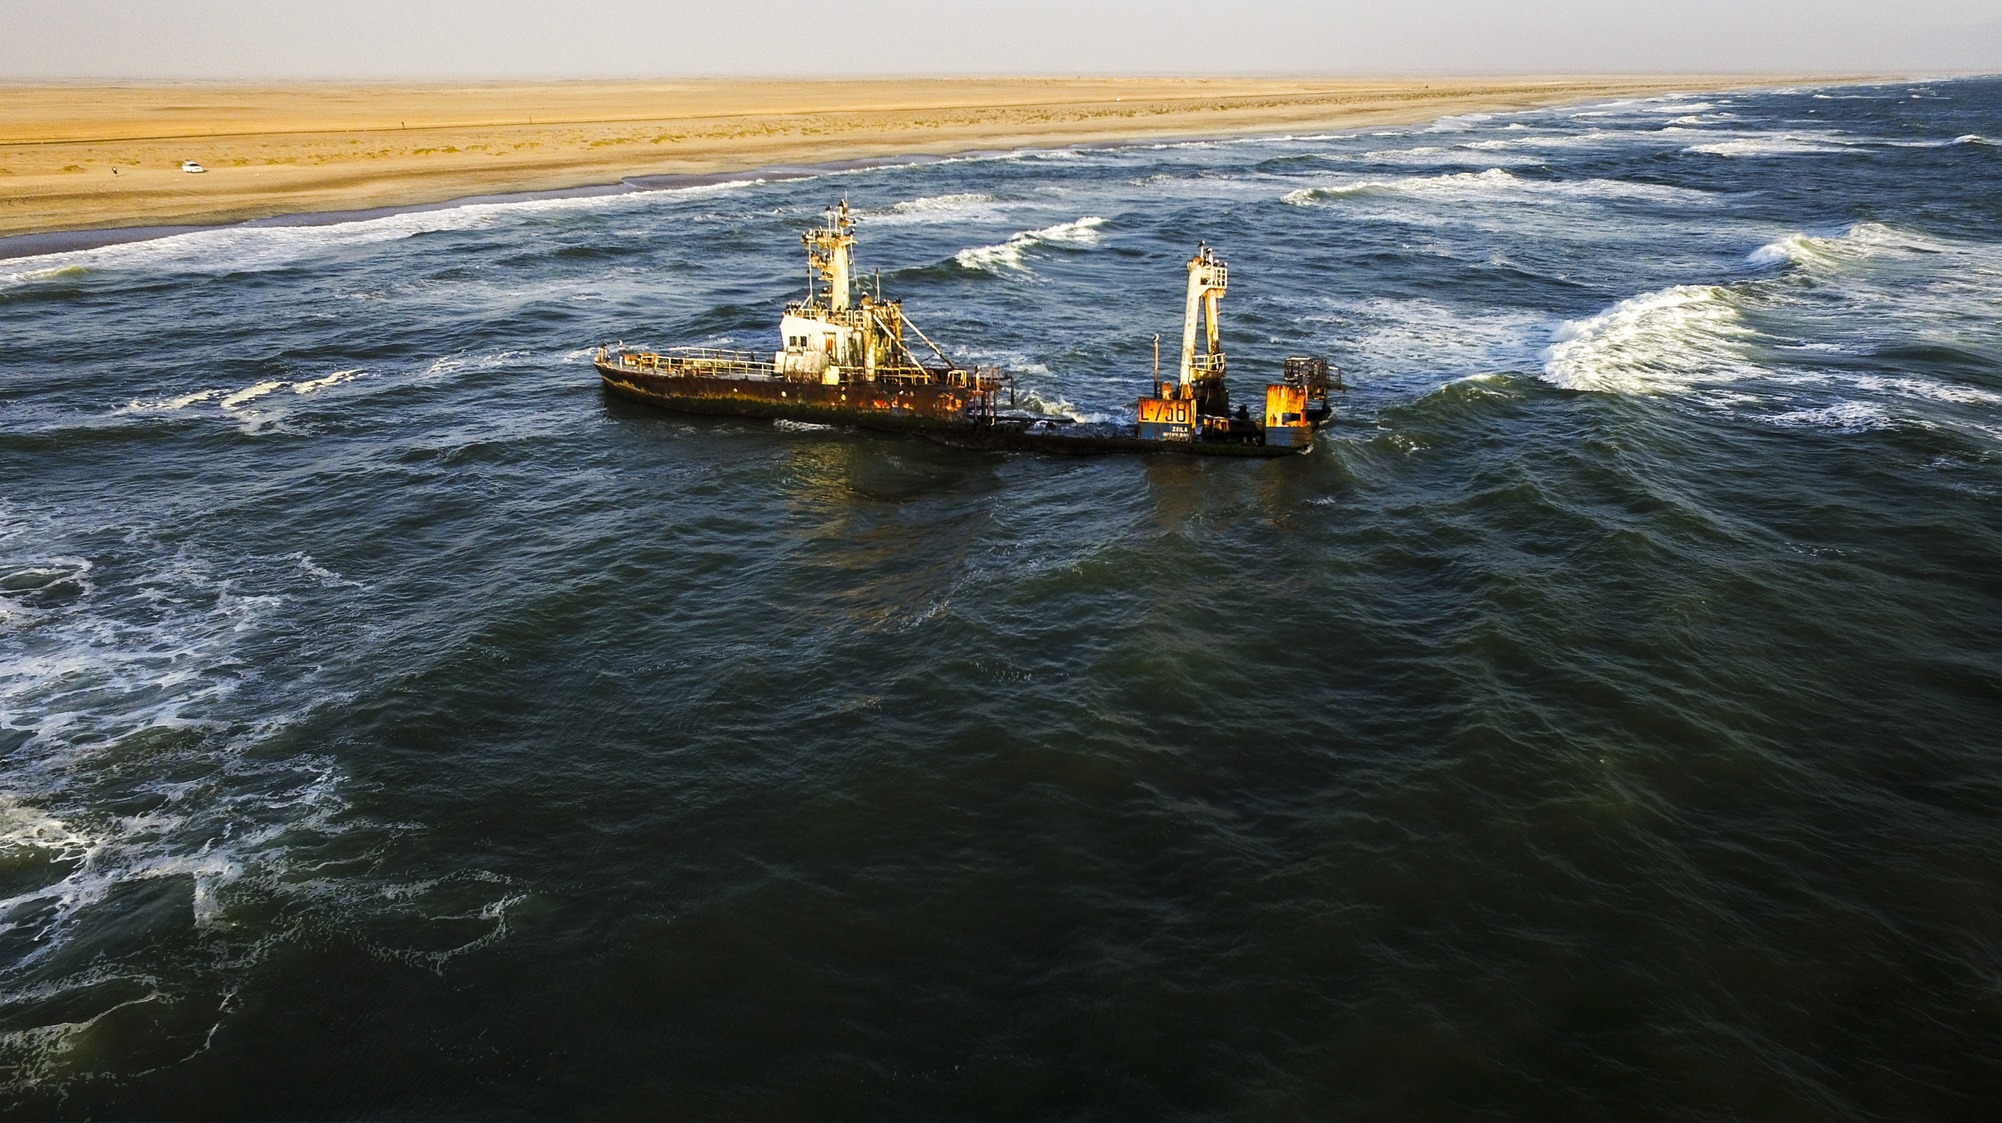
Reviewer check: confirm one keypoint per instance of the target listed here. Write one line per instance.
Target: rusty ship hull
(950, 415)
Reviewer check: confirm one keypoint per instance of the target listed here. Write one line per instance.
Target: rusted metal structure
(851, 361)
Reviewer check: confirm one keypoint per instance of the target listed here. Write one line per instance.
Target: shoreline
(317, 172)
(16, 246)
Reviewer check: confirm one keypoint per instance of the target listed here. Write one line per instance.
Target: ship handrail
(708, 360)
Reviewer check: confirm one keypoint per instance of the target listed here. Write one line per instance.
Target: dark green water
(1604, 722)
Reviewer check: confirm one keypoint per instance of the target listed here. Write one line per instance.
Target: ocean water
(1602, 722)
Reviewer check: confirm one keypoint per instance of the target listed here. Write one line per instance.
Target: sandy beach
(78, 156)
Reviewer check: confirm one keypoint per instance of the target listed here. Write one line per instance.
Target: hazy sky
(666, 38)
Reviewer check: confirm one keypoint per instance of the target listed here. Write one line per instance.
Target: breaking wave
(1860, 241)
(1659, 341)
(245, 248)
(962, 206)
(1496, 184)
(251, 393)
(933, 203)
(334, 379)
(1055, 405)
(1008, 255)
(1775, 144)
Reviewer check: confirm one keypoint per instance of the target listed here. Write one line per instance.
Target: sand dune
(91, 156)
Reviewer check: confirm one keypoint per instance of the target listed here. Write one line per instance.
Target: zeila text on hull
(856, 361)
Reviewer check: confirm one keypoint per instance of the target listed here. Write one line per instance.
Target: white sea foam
(168, 405)
(1777, 144)
(1458, 124)
(787, 425)
(1008, 255)
(235, 403)
(48, 273)
(1494, 184)
(251, 393)
(1053, 404)
(1927, 389)
(963, 206)
(321, 383)
(1415, 341)
(1491, 153)
(1972, 138)
(102, 667)
(1842, 417)
(492, 360)
(1861, 241)
(931, 203)
(1594, 138)
(327, 578)
(250, 248)
(1666, 340)
(142, 751)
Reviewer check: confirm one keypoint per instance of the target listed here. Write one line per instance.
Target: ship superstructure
(834, 337)
(857, 360)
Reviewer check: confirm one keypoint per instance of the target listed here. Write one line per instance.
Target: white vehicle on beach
(191, 167)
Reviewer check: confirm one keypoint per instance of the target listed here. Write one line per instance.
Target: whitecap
(1775, 144)
(1859, 241)
(940, 202)
(325, 381)
(1841, 417)
(249, 248)
(493, 360)
(251, 393)
(935, 208)
(321, 574)
(168, 405)
(1666, 340)
(1418, 340)
(1054, 405)
(1008, 254)
(1496, 184)
(29, 276)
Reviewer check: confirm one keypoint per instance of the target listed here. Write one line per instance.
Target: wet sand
(81, 157)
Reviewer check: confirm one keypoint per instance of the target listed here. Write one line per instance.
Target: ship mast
(829, 257)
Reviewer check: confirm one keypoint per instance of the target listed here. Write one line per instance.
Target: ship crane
(1209, 279)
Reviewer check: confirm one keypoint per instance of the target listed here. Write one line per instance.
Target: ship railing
(1313, 374)
(699, 362)
(1207, 364)
(912, 374)
(985, 380)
